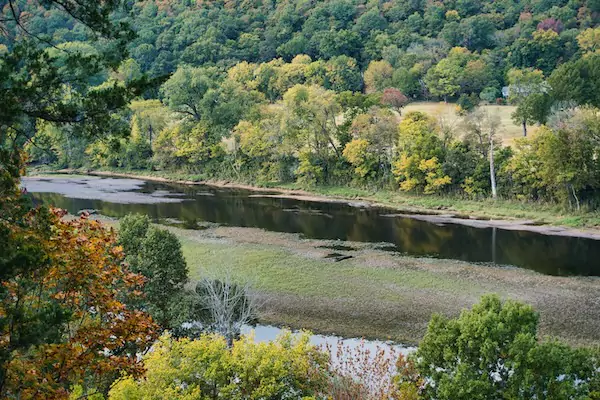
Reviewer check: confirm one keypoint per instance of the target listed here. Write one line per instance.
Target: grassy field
(508, 131)
(378, 294)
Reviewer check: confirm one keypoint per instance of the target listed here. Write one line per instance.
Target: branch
(22, 27)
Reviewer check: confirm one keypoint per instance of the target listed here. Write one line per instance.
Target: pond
(410, 235)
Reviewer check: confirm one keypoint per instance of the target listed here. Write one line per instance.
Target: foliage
(492, 351)
(420, 151)
(288, 368)
(357, 153)
(68, 313)
(528, 91)
(155, 254)
(267, 92)
(378, 76)
(394, 98)
(460, 71)
(371, 151)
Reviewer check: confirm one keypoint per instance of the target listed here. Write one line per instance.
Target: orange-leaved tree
(64, 313)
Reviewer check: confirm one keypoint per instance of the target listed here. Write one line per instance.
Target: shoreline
(431, 215)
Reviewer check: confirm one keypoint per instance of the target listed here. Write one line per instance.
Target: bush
(206, 369)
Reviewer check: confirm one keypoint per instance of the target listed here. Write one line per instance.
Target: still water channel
(548, 254)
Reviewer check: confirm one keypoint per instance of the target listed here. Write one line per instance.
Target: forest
(312, 93)
(267, 92)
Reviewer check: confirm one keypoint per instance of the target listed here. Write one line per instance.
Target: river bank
(504, 214)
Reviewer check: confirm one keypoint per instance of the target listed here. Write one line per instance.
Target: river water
(548, 254)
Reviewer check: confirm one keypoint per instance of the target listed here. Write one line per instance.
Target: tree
(461, 72)
(378, 76)
(132, 232)
(69, 312)
(528, 91)
(493, 351)
(186, 88)
(567, 163)
(481, 129)
(420, 155)
(578, 81)
(152, 117)
(342, 73)
(309, 124)
(489, 94)
(374, 134)
(64, 294)
(155, 254)
(231, 307)
(394, 98)
(589, 40)
(407, 80)
(208, 369)
(445, 77)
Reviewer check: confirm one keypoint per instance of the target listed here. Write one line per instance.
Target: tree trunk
(492, 169)
(524, 128)
(575, 197)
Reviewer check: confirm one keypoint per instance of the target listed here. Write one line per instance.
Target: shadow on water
(554, 255)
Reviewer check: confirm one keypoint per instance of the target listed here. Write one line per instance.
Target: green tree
(309, 124)
(186, 88)
(374, 135)
(492, 351)
(460, 72)
(528, 91)
(156, 254)
(343, 73)
(418, 165)
(578, 81)
(443, 80)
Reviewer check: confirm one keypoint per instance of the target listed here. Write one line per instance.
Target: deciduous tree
(493, 351)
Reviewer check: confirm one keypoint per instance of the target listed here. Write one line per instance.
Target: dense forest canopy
(312, 92)
(413, 36)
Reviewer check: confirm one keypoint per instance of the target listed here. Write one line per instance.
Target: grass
(378, 294)
(507, 130)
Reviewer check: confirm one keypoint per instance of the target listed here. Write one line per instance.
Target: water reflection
(555, 255)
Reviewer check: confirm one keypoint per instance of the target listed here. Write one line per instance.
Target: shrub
(206, 369)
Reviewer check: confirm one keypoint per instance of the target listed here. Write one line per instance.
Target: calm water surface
(555, 255)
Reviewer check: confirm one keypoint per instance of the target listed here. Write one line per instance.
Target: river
(194, 205)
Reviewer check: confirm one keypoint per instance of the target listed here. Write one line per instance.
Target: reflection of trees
(548, 254)
(555, 255)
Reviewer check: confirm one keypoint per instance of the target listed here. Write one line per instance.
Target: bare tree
(230, 305)
(481, 129)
